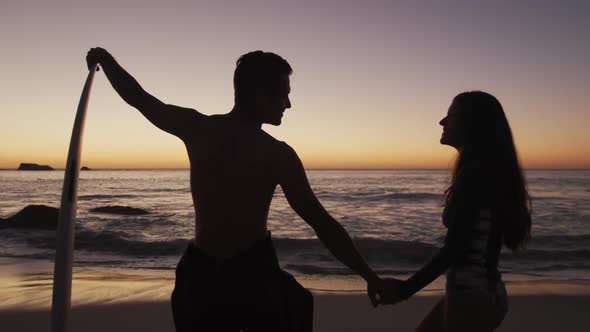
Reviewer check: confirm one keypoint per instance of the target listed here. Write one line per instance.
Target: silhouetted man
(229, 278)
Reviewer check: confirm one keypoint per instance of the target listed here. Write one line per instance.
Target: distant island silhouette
(34, 167)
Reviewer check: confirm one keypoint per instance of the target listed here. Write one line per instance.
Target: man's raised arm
(302, 199)
(178, 121)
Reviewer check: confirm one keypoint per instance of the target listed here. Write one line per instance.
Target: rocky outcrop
(33, 216)
(118, 209)
(34, 167)
(84, 168)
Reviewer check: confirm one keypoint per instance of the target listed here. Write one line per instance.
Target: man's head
(261, 85)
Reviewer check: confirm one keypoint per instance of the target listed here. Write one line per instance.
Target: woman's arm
(464, 210)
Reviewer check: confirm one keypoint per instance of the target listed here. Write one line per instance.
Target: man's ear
(261, 96)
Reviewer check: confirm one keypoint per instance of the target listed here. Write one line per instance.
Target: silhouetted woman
(486, 205)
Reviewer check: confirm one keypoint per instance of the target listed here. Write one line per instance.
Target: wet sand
(114, 301)
(334, 312)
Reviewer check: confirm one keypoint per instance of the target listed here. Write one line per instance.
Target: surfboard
(64, 250)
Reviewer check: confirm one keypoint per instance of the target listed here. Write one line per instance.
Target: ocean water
(394, 217)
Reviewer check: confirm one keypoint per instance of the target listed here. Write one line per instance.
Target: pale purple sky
(372, 78)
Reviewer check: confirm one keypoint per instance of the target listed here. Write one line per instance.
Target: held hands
(384, 291)
(391, 293)
(97, 55)
(375, 287)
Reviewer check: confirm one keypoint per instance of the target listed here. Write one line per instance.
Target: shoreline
(115, 299)
(27, 284)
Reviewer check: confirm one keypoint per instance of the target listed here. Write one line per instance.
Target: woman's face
(452, 134)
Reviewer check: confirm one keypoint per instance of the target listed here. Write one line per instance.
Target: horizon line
(307, 169)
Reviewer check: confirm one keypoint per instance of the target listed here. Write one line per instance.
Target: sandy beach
(114, 300)
(334, 312)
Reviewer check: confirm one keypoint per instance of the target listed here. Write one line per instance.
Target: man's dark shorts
(248, 292)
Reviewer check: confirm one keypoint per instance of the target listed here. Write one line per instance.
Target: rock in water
(33, 216)
(34, 167)
(118, 209)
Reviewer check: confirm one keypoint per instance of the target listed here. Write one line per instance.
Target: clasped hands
(385, 291)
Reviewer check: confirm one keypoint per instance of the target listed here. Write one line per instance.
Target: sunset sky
(371, 79)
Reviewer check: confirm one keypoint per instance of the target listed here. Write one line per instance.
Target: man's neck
(244, 116)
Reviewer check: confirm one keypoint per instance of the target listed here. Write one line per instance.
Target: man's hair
(258, 69)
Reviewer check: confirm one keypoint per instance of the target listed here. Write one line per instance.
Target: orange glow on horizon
(177, 159)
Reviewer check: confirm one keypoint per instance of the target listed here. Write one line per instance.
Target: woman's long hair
(487, 142)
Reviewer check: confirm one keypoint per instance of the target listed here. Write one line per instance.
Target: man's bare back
(235, 168)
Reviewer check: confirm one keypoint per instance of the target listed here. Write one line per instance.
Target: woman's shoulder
(474, 178)
(472, 191)
(471, 171)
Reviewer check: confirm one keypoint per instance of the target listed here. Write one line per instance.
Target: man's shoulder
(272, 141)
(288, 157)
(212, 124)
(280, 147)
